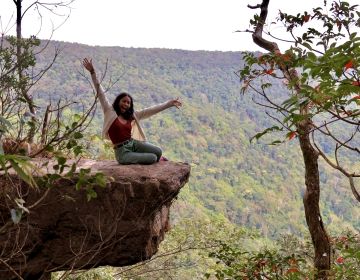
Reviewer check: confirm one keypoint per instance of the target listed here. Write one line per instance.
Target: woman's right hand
(88, 65)
(176, 102)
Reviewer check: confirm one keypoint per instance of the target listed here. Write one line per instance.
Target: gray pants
(138, 152)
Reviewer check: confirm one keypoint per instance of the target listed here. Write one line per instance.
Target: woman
(122, 125)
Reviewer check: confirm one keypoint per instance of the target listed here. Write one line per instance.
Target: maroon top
(119, 132)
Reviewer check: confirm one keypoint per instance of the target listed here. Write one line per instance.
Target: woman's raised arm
(105, 104)
(148, 112)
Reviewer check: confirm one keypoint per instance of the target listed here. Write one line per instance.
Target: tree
(18, 76)
(321, 70)
(28, 130)
(25, 79)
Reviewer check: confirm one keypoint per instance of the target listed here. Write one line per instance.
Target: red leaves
(286, 57)
(271, 61)
(356, 97)
(343, 239)
(292, 270)
(356, 83)
(262, 59)
(349, 64)
(338, 24)
(291, 135)
(293, 266)
(306, 18)
(262, 263)
(340, 260)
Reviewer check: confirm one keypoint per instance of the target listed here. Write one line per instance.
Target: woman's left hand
(88, 65)
(176, 102)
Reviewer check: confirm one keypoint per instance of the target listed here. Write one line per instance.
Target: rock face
(63, 231)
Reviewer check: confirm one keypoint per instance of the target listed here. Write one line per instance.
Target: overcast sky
(174, 24)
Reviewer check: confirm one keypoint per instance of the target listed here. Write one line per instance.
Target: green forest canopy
(250, 184)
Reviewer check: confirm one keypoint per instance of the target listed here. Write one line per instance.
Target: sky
(172, 24)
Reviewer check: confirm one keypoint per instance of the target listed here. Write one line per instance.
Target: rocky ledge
(64, 231)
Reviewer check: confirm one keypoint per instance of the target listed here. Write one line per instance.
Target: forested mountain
(250, 184)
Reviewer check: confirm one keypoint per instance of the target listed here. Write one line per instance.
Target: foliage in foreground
(291, 260)
(193, 250)
(182, 255)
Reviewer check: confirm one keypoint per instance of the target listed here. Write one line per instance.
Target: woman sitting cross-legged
(122, 124)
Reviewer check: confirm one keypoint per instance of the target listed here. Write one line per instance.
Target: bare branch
(277, 38)
(345, 119)
(10, 268)
(339, 168)
(330, 134)
(353, 189)
(254, 7)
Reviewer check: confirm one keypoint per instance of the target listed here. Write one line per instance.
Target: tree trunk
(317, 231)
(22, 83)
(311, 198)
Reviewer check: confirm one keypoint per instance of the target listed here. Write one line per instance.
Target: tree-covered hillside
(250, 184)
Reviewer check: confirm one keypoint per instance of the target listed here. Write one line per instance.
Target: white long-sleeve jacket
(110, 115)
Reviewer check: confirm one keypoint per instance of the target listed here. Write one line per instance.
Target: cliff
(63, 231)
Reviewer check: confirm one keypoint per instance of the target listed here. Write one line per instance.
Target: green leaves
(237, 263)
(88, 181)
(268, 130)
(4, 125)
(22, 166)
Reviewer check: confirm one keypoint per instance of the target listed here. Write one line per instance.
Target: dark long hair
(129, 113)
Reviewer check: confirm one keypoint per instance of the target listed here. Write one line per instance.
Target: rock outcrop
(63, 231)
